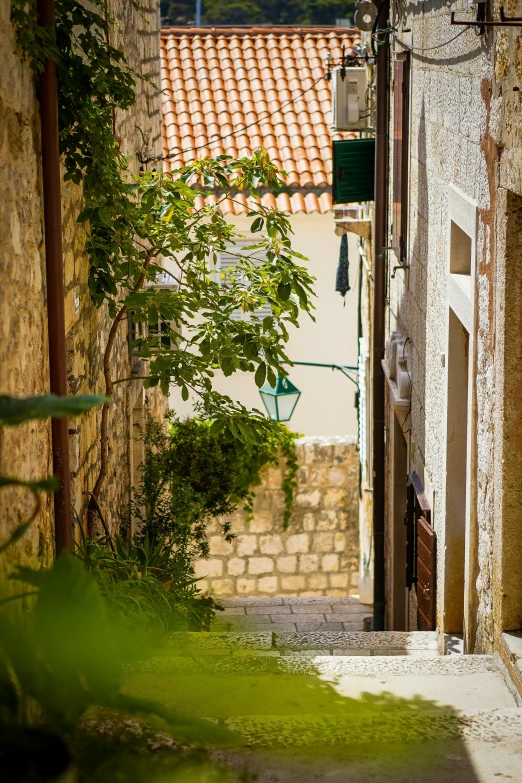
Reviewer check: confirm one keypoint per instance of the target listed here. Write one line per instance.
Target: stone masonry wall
(26, 451)
(317, 555)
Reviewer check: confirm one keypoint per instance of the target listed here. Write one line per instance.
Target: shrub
(191, 474)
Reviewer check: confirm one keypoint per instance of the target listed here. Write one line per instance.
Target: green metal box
(353, 171)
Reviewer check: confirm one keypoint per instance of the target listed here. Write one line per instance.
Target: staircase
(355, 706)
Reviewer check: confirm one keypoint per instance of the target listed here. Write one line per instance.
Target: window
(401, 123)
(230, 260)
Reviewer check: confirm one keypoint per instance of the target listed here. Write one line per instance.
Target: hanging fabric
(342, 281)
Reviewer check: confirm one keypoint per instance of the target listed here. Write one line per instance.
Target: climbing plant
(133, 221)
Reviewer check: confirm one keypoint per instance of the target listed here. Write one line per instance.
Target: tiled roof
(216, 82)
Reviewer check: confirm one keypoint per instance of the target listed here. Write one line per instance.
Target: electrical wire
(430, 48)
(233, 133)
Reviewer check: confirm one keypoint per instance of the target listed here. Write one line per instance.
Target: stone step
(387, 726)
(338, 643)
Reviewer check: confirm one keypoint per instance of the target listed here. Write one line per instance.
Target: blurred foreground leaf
(15, 411)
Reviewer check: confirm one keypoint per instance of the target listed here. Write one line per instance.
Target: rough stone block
(329, 520)
(297, 543)
(336, 477)
(279, 613)
(317, 581)
(267, 584)
(244, 585)
(265, 601)
(287, 565)
(308, 499)
(282, 627)
(330, 563)
(223, 586)
(309, 522)
(218, 546)
(236, 566)
(246, 545)
(271, 544)
(262, 523)
(309, 618)
(317, 607)
(322, 542)
(260, 565)
(335, 498)
(339, 542)
(208, 568)
(293, 582)
(339, 580)
(308, 563)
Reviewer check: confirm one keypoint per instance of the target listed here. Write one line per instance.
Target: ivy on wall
(133, 221)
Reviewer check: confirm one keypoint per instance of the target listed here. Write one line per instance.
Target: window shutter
(353, 178)
(231, 261)
(401, 124)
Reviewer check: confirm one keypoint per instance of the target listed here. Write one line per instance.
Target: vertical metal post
(380, 243)
(198, 13)
(55, 282)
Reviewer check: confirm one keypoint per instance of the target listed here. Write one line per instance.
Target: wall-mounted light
(281, 399)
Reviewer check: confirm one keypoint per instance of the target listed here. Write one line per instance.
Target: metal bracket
(481, 23)
(400, 266)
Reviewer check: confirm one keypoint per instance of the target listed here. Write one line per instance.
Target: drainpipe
(55, 284)
(380, 243)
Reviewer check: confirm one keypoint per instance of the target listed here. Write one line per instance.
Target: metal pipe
(382, 80)
(55, 283)
(342, 367)
(198, 13)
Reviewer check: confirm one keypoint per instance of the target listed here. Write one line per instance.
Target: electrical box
(350, 110)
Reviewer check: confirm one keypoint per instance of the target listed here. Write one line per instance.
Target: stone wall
(318, 554)
(26, 451)
(465, 111)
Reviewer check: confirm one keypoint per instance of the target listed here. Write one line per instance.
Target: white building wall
(326, 406)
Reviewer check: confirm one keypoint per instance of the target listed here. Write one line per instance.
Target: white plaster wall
(326, 406)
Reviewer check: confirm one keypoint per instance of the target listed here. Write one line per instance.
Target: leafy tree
(251, 12)
(133, 221)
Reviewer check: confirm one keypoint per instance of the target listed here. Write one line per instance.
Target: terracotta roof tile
(217, 81)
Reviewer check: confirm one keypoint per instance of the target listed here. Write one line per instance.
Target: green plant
(132, 221)
(143, 588)
(62, 656)
(192, 473)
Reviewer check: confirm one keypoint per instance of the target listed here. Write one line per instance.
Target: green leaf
(260, 375)
(283, 291)
(184, 393)
(15, 411)
(272, 380)
(217, 426)
(50, 484)
(257, 225)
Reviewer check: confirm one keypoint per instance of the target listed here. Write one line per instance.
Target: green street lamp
(281, 399)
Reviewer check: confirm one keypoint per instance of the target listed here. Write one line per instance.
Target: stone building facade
(452, 309)
(317, 555)
(25, 451)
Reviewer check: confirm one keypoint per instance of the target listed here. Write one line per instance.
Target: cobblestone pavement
(314, 613)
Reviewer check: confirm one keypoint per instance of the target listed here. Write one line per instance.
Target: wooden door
(426, 576)
(421, 554)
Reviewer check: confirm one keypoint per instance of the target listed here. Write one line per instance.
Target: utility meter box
(350, 110)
